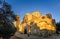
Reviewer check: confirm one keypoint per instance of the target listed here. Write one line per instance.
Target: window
(43, 17)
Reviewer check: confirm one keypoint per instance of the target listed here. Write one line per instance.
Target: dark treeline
(7, 16)
(58, 26)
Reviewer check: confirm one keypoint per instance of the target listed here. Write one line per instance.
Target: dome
(37, 14)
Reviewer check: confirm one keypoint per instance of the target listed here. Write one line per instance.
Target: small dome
(37, 14)
(17, 17)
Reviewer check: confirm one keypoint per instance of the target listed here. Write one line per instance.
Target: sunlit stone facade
(42, 22)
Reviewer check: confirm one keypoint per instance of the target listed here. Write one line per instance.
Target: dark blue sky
(21, 7)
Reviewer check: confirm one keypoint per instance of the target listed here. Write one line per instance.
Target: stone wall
(42, 22)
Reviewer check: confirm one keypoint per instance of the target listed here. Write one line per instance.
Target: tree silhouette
(58, 26)
(6, 18)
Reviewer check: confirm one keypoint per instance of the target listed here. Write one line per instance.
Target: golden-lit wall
(43, 22)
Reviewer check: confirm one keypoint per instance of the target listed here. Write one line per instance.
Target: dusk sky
(21, 7)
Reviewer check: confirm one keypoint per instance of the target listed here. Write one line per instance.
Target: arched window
(43, 17)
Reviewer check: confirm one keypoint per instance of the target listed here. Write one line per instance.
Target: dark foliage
(6, 18)
(58, 26)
